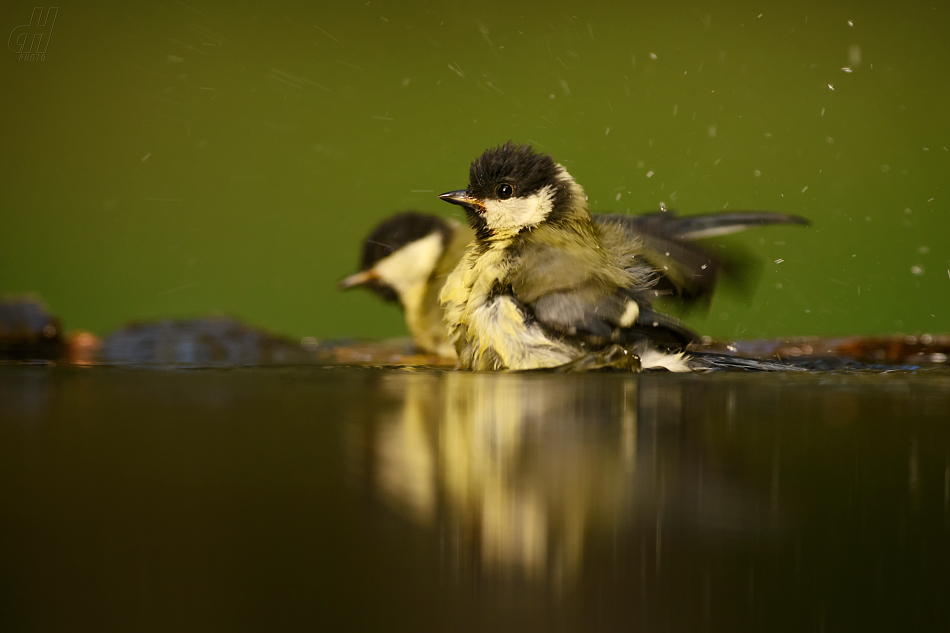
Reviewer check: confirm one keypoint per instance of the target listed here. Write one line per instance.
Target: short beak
(462, 198)
(360, 278)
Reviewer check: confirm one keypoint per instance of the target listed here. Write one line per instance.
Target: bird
(545, 286)
(392, 268)
(405, 259)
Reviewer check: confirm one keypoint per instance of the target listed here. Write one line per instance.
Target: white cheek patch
(409, 268)
(515, 214)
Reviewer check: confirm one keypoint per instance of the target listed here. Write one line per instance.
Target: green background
(184, 158)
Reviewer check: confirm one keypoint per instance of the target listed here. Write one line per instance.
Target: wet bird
(545, 286)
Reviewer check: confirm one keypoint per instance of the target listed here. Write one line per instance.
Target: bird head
(400, 254)
(512, 188)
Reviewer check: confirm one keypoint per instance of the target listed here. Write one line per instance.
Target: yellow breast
(490, 332)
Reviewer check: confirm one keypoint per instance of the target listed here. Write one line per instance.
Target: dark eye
(504, 191)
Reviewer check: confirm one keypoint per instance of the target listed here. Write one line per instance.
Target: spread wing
(605, 295)
(685, 269)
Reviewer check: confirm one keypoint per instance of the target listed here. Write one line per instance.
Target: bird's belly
(501, 338)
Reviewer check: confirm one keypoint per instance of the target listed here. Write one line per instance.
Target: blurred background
(175, 159)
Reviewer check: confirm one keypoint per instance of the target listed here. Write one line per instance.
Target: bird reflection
(526, 467)
(518, 471)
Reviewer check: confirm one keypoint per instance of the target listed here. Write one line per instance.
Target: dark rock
(28, 331)
(212, 342)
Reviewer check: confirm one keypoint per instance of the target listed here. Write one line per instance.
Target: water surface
(305, 498)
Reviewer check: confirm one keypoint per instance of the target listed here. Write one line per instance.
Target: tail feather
(711, 361)
(697, 227)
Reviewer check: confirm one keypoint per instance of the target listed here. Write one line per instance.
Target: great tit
(545, 286)
(407, 257)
